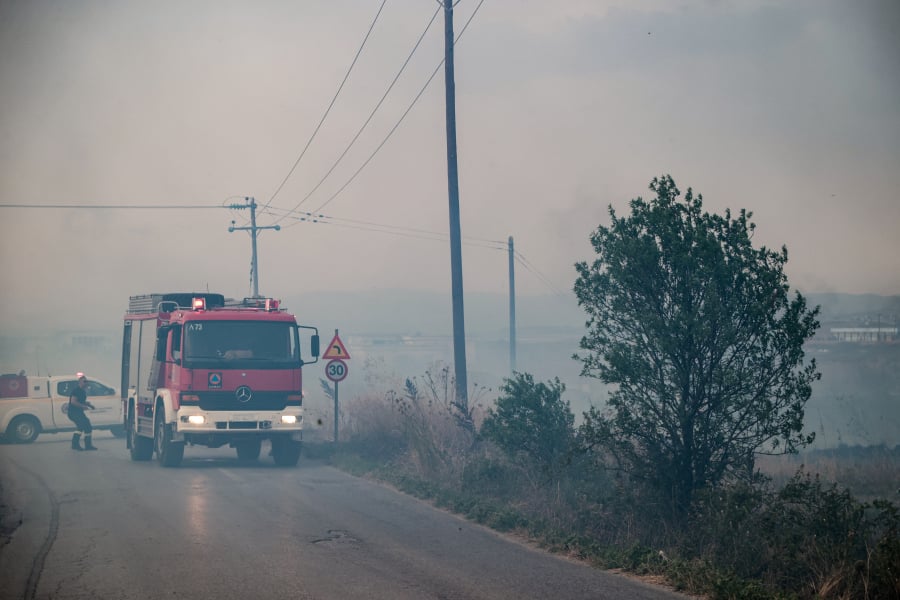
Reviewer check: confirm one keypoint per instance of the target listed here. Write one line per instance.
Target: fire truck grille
(243, 425)
(228, 401)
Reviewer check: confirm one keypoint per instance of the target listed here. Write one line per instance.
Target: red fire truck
(200, 370)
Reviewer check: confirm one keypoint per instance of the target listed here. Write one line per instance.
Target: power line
(534, 270)
(402, 117)
(369, 119)
(312, 218)
(409, 232)
(389, 232)
(541, 277)
(434, 237)
(327, 110)
(115, 206)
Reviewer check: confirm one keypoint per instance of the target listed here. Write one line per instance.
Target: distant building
(864, 334)
(88, 342)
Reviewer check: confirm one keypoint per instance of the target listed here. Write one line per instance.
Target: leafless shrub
(419, 420)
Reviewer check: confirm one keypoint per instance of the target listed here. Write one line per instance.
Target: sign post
(336, 370)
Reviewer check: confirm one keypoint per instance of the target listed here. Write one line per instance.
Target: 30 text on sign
(336, 370)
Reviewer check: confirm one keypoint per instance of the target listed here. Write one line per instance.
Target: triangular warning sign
(336, 349)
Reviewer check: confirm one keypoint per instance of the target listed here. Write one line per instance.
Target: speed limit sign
(336, 370)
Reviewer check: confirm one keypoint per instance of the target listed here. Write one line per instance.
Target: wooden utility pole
(512, 309)
(254, 231)
(459, 328)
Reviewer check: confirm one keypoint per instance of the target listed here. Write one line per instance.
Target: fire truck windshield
(241, 344)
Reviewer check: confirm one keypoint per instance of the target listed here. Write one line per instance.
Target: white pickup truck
(31, 405)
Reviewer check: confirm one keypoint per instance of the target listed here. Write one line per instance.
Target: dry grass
(868, 472)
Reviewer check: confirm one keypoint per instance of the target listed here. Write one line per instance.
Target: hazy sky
(789, 109)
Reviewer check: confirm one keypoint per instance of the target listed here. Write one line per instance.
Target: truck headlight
(289, 419)
(196, 419)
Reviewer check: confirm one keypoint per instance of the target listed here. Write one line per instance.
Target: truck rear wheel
(141, 448)
(286, 452)
(249, 449)
(168, 453)
(24, 429)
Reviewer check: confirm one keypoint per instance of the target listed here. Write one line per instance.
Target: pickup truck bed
(43, 401)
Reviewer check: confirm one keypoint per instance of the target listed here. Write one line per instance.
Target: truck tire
(117, 431)
(24, 429)
(168, 453)
(248, 449)
(286, 452)
(141, 448)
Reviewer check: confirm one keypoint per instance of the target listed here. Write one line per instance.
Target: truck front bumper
(239, 423)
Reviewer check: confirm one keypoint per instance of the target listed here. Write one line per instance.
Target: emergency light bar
(198, 304)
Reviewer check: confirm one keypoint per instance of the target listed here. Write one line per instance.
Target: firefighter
(78, 403)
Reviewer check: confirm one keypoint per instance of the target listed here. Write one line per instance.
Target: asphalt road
(95, 525)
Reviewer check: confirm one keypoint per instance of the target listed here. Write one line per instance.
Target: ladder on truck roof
(149, 303)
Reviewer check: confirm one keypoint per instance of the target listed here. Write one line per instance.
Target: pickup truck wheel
(249, 449)
(286, 452)
(24, 429)
(141, 448)
(168, 453)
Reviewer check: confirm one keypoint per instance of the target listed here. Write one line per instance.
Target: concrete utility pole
(459, 328)
(254, 231)
(512, 309)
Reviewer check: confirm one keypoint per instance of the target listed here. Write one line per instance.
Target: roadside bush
(883, 560)
(373, 426)
(806, 538)
(417, 425)
(616, 509)
(533, 425)
(527, 471)
(439, 434)
(726, 526)
(492, 477)
(815, 535)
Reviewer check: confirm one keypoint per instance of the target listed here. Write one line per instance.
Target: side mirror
(314, 346)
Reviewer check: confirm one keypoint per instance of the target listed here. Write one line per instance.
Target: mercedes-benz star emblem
(243, 394)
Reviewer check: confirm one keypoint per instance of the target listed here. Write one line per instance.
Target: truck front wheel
(286, 452)
(168, 453)
(24, 429)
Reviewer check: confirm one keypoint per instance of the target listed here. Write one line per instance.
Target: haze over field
(790, 109)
